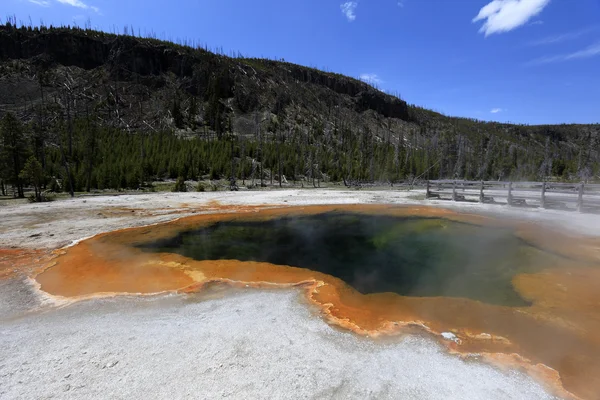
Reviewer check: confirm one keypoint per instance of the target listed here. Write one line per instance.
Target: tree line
(75, 154)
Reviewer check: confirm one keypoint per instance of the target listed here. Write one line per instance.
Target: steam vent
(491, 292)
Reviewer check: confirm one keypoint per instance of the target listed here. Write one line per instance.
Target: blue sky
(523, 61)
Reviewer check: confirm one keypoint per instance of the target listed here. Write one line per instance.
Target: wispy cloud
(73, 3)
(563, 37)
(372, 79)
(496, 110)
(349, 10)
(505, 15)
(43, 3)
(588, 52)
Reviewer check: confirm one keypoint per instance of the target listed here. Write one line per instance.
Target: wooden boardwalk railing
(580, 197)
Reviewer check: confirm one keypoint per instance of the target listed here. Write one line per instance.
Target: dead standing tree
(281, 141)
(232, 179)
(69, 92)
(65, 103)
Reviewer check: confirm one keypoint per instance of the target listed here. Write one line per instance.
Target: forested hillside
(83, 110)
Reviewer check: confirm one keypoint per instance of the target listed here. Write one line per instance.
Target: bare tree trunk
(62, 150)
(349, 153)
(70, 127)
(371, 161)
(272, 169)
(279, 159)
(242, 160)
(312, 168)
(91, 150)
(67, 169)
(233, 177)
(38, 193)
(260, 153)
(42, 127)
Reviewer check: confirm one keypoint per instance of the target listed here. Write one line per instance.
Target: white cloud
(372, 79)
(496, 110)
(73, 3)
(563, 37)
(590, 51)
(506, 15)
(349, 10)
(43, 3)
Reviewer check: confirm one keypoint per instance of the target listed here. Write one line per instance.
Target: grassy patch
(164, 186)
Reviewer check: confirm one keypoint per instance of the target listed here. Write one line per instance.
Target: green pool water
(374, 253)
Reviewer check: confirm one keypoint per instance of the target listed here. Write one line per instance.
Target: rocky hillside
(155, 74)
(141, 85)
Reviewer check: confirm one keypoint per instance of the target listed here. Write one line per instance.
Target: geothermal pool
(375, 253)
(513, 293)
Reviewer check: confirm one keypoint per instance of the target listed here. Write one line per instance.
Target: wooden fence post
(481, 193)
(543, 200)
(580, 198)
(454, 191)
(510, 198)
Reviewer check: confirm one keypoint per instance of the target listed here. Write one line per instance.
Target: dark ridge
(130, 56)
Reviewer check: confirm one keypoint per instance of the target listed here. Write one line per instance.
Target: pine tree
(13, 151)
(34, 173)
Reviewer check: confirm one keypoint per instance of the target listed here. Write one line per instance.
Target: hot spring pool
(410, 256)
(523, 295)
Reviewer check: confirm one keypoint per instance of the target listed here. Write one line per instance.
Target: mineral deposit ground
(132, 296)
